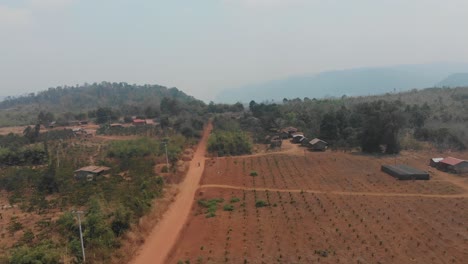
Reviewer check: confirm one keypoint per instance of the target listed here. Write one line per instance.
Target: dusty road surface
(163, 237)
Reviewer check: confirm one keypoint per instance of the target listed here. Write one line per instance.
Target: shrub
(228, 207)
(260, 203)
(253, 173)
(235, 200)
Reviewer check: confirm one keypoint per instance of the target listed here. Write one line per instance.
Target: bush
(235, 200)
(253, 173)
(228, 207)
(260, 203)
(44, 253)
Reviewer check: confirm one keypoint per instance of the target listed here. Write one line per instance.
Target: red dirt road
(163, 237)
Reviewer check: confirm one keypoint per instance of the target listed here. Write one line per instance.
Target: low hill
(80, 99)
(351, 82)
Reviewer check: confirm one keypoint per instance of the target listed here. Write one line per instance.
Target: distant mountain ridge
(455, 80)
(351, 82)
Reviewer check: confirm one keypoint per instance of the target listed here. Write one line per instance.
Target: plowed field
(327, 208)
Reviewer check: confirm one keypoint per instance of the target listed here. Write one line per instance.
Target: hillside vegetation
(70, 103)
(437, 115)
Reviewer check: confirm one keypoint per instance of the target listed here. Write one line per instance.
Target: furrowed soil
(329, 207)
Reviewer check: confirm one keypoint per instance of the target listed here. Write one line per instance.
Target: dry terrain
(330, 207)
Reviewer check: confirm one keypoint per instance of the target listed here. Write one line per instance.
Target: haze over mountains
(352, 82)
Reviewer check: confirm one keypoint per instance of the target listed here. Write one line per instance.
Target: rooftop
(452, 161)
(93, 169)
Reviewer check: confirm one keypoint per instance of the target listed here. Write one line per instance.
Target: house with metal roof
(454, 165)
(90, 172)
(317, 145)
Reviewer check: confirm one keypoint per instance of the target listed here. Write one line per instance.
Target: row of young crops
(317, 171)
(310, 228)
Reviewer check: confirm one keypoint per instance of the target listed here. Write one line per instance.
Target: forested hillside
(68, 101)
(399, 120)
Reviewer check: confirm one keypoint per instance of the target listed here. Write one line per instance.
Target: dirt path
(163, 237)
(464, 195)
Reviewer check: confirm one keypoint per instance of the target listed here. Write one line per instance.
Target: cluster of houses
(297, 138)
(450, 164)
(136, 122)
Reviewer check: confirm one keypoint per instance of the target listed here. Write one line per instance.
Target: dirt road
(163, 237)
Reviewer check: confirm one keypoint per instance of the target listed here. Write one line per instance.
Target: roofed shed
(317, 145)
(90, 172)
(404, 172)
(453, 165)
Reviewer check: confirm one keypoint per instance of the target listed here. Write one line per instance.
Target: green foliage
(75, 101)
(97, 233)
(44, 253)
(234, 200)
(134, 148)
(210, 205)
(380, 123)
(253, 173)
(228, 207)
(260, 203)
(121, 221)
(229, 143)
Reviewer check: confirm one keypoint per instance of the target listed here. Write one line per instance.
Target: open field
(325, 207)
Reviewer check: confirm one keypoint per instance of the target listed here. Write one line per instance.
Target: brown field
(334, 204)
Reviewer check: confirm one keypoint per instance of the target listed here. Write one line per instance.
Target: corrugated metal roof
(315, 141)
(437, 159)
(93, 169)
(451, 161)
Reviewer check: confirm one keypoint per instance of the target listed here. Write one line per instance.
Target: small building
(317, 145)
(434, 161)
(454, 165)
(116, 125)
(297, 138)
(305, 142)
(90, 172)
(139, 122)
(404, 172)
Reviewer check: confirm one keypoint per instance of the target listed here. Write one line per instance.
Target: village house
(139, 122)
(317, 145)
(90, 172)
(454, 165)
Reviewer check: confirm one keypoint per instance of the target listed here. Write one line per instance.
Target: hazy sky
(202, 46)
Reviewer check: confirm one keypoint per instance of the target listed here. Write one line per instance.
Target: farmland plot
(326, 208)
(329, 228)
(324, 172)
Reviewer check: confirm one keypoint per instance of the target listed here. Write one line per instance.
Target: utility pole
(167, 159)
(78, 213)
